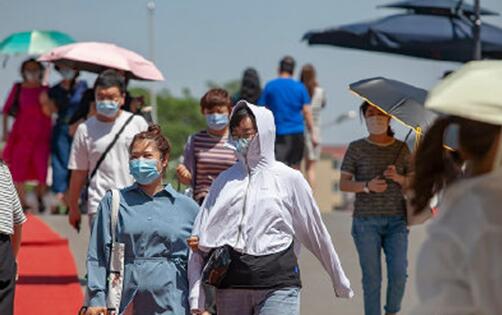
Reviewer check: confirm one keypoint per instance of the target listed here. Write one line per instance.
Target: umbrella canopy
(34, 42)
(96, 57)
(435, 37)
(473, 92)
(439, 7)
(403, 102)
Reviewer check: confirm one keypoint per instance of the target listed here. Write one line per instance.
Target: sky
(197, 41)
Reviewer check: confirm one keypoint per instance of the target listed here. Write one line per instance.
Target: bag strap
(15, 101)
(114, 214)
(102, 157)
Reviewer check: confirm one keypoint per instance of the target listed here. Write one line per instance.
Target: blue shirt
(154, 231)
(286, 97)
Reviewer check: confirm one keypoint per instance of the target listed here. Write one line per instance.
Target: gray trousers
(285, 301)
(7, 276)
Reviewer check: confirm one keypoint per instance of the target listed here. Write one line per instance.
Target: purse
(216, 266)
(115, 278)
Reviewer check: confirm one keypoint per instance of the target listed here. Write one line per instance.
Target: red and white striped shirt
(206, 157)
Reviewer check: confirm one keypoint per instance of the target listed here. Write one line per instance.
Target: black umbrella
(401, 101)
(429, 36)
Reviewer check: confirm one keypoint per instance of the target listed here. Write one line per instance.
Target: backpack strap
(114, 212)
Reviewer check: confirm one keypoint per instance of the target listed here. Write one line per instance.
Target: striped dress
(10, 209)
(206, 157)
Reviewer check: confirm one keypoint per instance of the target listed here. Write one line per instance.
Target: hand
(193, 242)
(391, 173)
(200, 312)
(75, 217)
(97, 310)
(184, 175)
(377, 185)
(313, 138)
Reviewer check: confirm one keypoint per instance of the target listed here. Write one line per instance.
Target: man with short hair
(289, 101)
(90, 144)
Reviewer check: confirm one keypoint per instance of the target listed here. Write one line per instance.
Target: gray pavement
(317, 294)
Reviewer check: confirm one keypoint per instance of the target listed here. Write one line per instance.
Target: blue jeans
(284, 301)
(371, 235)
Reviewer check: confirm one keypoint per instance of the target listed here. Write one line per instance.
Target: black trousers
(7, 276)
(289, 148)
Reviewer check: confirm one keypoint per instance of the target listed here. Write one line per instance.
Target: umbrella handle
(402, 147)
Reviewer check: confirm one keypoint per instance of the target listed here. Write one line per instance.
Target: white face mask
(377, 125)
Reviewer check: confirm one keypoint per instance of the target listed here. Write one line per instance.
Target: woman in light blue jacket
(154, 222)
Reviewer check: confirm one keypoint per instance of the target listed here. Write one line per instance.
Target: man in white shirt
(93, 138)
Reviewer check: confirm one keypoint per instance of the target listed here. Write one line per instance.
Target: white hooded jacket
(259, 206)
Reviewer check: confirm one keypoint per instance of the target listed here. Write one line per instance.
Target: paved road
(317, 294)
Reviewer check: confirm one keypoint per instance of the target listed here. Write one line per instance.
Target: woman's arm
(98, 255)
(311, 231)
(347, 184)
(48, 105)
(197, 298)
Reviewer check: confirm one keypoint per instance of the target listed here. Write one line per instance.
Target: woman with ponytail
(456, 272)
(458, 268)
(153, 223)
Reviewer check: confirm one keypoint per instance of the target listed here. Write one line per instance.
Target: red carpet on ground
(48, 281)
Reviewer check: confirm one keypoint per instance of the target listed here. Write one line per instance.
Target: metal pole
(477, 31)
(151, 35)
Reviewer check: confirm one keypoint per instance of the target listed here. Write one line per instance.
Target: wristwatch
(366, 189)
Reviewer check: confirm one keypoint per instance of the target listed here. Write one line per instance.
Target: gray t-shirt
(365, 161)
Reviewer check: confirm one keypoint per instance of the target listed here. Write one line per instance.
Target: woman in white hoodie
(263, 210)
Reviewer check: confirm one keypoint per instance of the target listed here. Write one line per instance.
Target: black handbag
(14, 108)
(217, 266)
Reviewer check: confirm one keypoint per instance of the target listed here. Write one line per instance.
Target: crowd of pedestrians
(231, 245)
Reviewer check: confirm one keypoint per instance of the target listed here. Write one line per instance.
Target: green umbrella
(34, 42)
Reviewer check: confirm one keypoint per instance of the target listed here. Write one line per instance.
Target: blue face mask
(144, 171)
(107, 108)
(217, 121)
(241, 145)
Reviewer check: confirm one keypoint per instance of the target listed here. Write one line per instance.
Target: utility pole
(151, 36)
(476, 31)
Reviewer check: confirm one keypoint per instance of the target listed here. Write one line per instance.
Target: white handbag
(116, 267)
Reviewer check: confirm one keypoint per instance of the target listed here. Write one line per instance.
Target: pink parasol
(96, 57)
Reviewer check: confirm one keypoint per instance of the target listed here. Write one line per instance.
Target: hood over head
(261, 148)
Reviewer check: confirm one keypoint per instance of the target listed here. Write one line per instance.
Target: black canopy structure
(439, 7)
(431, 29)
